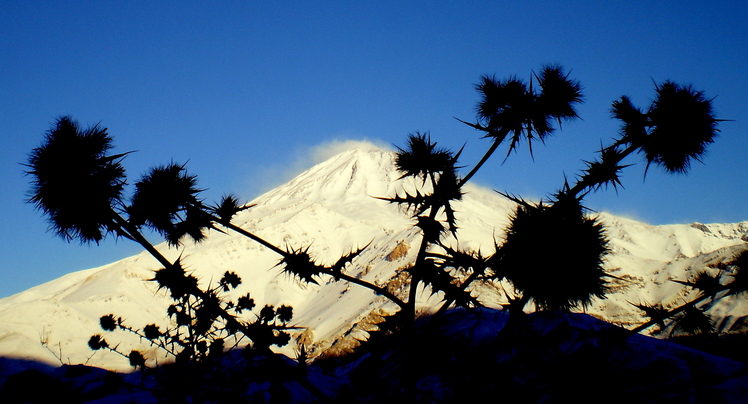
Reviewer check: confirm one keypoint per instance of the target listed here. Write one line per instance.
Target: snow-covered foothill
(332, 209)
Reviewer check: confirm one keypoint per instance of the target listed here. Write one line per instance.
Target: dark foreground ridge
(463, 356)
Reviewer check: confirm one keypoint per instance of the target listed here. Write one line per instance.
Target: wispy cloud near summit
(305, 158)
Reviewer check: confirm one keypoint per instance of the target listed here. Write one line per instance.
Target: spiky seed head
(96, 342)
(176, 280)
(682, 125)
(230, 280)
(108, 323)
(151, 331)
(228, 207)
(422, 158)
(76, 184)
(554, 254)
(166, 200)
(301, 264)
(284, 313)
(559, 94)
(245, 303)
(512, 108)
(137, 360)
(267, 313)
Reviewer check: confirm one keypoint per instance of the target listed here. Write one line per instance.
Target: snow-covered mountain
(332, 210)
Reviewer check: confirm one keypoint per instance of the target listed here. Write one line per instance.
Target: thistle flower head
(76, 184)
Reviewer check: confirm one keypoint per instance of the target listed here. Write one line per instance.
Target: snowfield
(332, 209)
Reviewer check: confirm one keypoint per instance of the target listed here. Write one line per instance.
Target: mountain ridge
(332, 209)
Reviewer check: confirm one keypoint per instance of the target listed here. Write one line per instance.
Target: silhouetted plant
(80, 189)
(721, 280)
(676, 128)
(553, 252)
(200, 332)
(551, 255)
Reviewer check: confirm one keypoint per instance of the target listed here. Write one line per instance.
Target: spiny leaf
(418, 202)
(705, 282)
(439, 279)
(300, 264)
(605, 171)
(694, 321)
(422, 158)
(461, 260)
(655, 312)
(341, 263)
(228, 208)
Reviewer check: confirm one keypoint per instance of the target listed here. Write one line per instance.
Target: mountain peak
(332, 209)
(365, 169)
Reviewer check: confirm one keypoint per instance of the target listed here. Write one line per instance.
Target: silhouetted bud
(422, 158)
(554, 254)
(682, 123)
(282, 339)
(108, 323)
(97, 342)
(267, 313)
(166, 200)
(151, 331)
(227, 208)
(245, 303)
(285, 313)
(136, 359)
(230, 280)
(172, 310)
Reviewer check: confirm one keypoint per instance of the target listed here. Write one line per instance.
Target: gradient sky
(246, 93)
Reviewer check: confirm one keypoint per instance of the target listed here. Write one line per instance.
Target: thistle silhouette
(552, 254)
(76, 184)
(79, 187)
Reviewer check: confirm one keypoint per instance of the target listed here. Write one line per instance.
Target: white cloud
(332, 148)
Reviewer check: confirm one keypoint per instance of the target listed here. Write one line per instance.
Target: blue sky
(244, 91)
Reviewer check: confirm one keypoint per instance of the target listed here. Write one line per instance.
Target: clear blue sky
(244, 90)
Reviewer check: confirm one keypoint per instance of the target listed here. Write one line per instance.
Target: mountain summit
(333, 209)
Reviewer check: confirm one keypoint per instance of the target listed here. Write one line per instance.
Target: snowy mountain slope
(332, 210)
